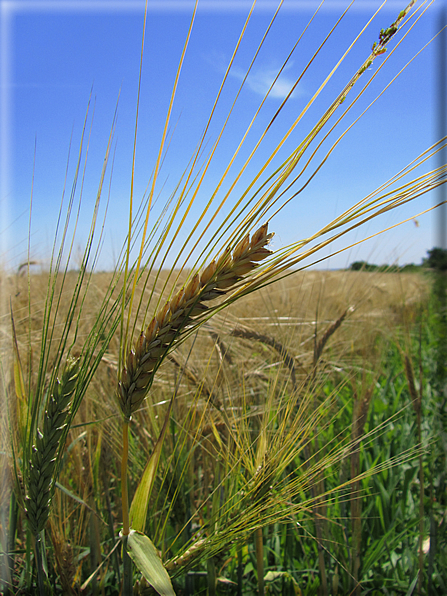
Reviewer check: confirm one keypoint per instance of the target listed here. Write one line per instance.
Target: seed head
(185, 308)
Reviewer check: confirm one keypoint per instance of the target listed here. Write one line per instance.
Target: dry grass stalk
(43, 459)
(186, 307)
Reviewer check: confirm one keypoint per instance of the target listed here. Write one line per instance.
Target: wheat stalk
(183, 310)
(43, 461)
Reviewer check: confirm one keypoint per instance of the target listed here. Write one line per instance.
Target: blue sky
(54, 54)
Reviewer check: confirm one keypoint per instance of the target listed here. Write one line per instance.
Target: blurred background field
(280, 402)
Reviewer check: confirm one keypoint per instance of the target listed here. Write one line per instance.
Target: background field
(280, 402)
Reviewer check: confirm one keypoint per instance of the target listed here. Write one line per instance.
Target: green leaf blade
(144, 554)
(140, 501)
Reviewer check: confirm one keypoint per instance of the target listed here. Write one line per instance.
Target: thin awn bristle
(43, 458)
(186, 306)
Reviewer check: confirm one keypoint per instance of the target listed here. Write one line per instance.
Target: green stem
(240, 570)
(259, 544)
(127, 570)
(127, 563)
(124, 493)
(211, 577)
(40, 580)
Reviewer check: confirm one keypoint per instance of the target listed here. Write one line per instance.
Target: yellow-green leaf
(140, 501)
(18, 375)
(145, 556)
(19, 384)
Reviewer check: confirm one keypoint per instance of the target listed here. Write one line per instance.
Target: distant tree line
(436, 260)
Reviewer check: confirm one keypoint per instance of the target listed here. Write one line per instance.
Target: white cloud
(260, 81)
(260, 78)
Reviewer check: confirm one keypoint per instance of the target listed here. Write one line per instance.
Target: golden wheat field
(293, 311)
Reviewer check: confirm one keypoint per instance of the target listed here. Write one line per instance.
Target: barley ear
(42, 465)
(318, 350)
(186, 308)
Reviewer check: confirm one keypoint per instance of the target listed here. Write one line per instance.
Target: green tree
(437, 259)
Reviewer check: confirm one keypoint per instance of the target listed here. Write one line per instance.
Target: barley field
(211, 414)
(291, 458)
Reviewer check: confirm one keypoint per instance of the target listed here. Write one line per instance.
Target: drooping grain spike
(185, 308)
